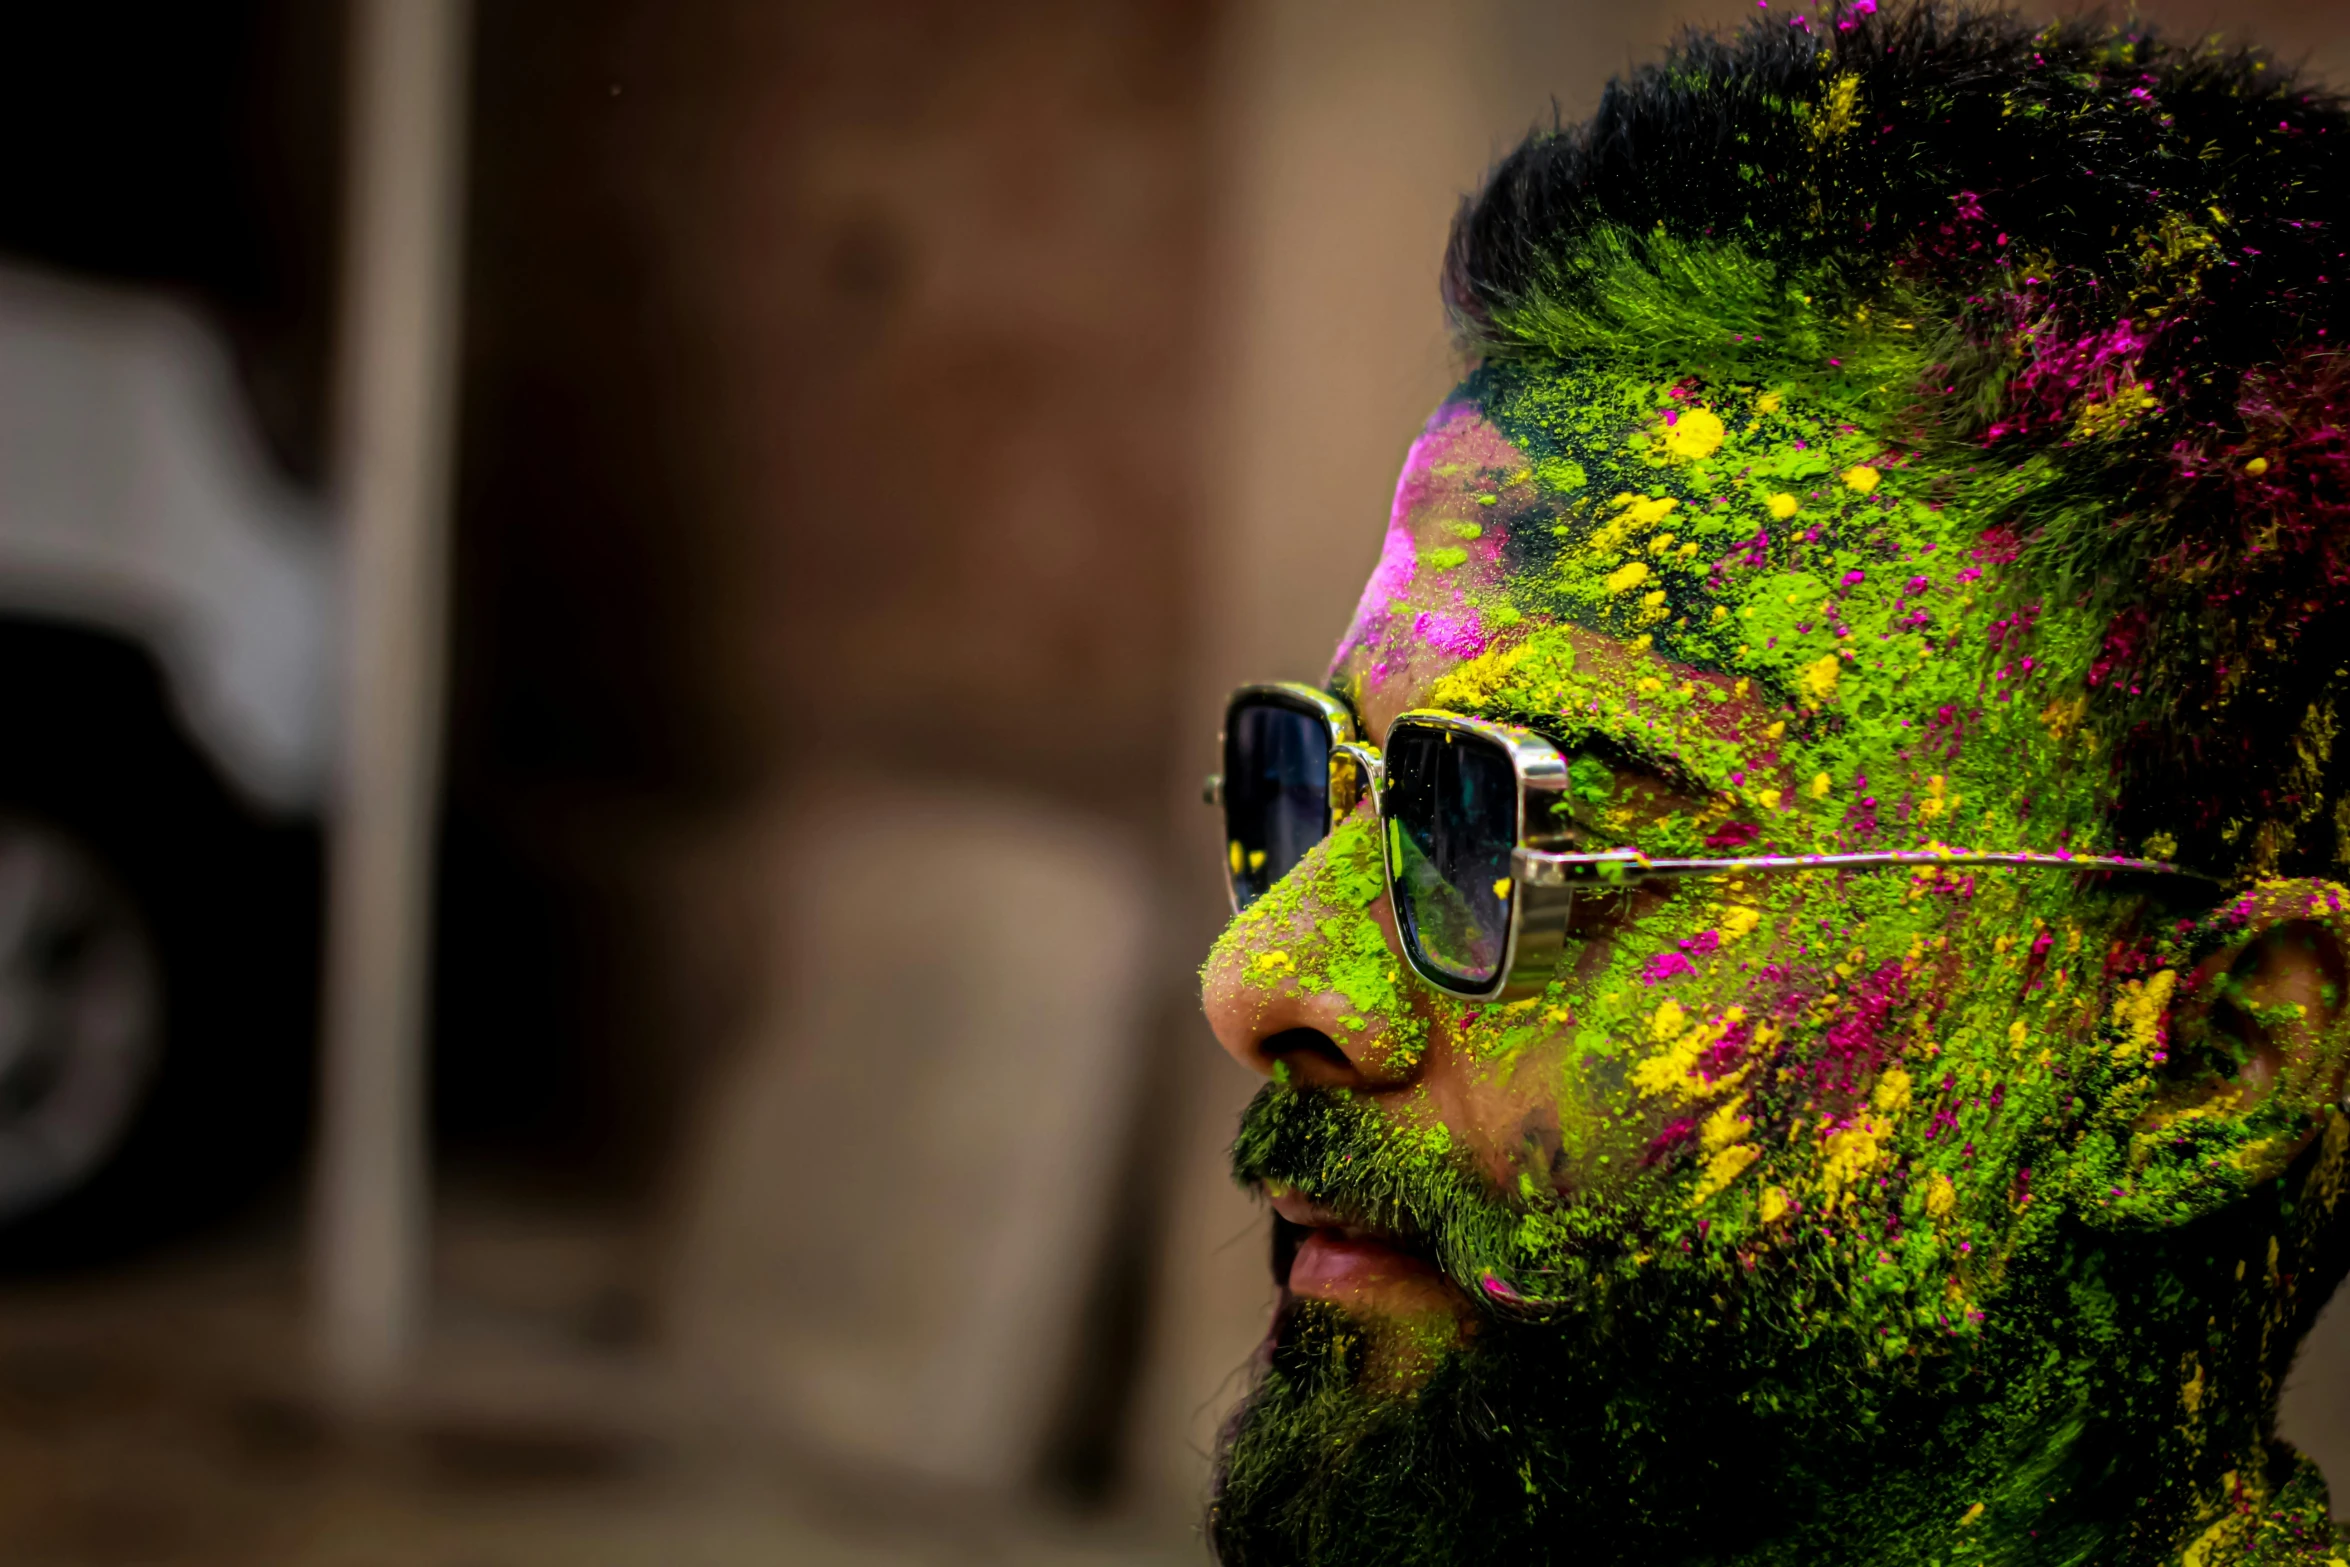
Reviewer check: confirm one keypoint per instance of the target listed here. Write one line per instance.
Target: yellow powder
(1696, 435)
(1627, 577)
(2104, 418)
(1673, 1070)
(1724, 1127)
(1817, 680)
(1941, 1196)
(2138, 1011)
(1850, 1155)
(1839, 112)
(1724, 1168)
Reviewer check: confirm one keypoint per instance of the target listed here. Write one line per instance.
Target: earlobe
(2254, 1044)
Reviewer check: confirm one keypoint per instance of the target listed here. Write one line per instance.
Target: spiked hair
(2083, 248)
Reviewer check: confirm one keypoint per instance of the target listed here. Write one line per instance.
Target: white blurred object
(136, 498)
(907, 1180)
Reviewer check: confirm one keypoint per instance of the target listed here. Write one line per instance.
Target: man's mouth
(1320, 1254)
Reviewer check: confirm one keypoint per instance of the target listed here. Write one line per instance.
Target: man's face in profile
(1772, 1160)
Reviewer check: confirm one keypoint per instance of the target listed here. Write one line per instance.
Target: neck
(2056, 1470)
(2119, 1412)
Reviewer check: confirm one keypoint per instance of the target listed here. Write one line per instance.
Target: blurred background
(850, 449)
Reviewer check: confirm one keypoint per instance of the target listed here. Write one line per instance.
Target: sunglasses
(1477, 835)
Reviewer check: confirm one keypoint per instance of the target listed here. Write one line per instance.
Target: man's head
(1887, 431)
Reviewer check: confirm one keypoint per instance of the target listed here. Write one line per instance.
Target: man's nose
(1268, 992)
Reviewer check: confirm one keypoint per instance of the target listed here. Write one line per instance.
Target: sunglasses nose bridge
(1360, 762)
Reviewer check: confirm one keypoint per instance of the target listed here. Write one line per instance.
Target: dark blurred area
(193, 148)
(827, 435)
(882, 432)
(829, 380)
(189, 153)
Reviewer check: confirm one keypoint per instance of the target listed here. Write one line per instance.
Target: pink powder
(1440, 443)
(1459, 635)
(1391, 580)
(1664, 966)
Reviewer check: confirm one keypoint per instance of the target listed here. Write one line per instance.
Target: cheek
(1638, 1066)
(1628, 1079)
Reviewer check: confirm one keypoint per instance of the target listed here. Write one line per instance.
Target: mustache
(1411, 1183)
(1327, 1145)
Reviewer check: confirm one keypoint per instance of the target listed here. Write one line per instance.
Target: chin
(1323, 1435)
(1361, 1445)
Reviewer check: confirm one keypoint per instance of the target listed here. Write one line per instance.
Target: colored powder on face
(1850, 1049)
(1457, 635)
(1391, 579)
(1664, 966)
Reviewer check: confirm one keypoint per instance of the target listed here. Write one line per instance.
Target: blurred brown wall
(831, 404)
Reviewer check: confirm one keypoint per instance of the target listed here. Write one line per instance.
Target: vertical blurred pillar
(397, 346)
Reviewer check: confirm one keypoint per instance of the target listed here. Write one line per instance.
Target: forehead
(1457, 614)
(1440, 593)
(1745, 585)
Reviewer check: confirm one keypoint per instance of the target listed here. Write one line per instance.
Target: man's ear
(2251, 1056)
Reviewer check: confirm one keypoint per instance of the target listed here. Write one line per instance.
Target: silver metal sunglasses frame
(1545, 875)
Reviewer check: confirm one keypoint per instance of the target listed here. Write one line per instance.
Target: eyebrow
(1622, 751)
(1615, 749)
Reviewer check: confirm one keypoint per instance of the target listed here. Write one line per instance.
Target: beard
(1514, 1448)
(1607, 1428)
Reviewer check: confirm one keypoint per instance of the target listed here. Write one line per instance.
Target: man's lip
(1348, 1268)
(1320, 1253)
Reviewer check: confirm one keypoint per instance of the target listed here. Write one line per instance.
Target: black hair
(2111, 251)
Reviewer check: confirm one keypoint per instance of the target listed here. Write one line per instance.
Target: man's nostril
(1294, 1042)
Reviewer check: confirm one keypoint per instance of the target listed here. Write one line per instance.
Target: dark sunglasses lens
(1452, 820)
(1276, 792)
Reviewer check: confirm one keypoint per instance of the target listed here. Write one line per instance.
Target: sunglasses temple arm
(1542, 868)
